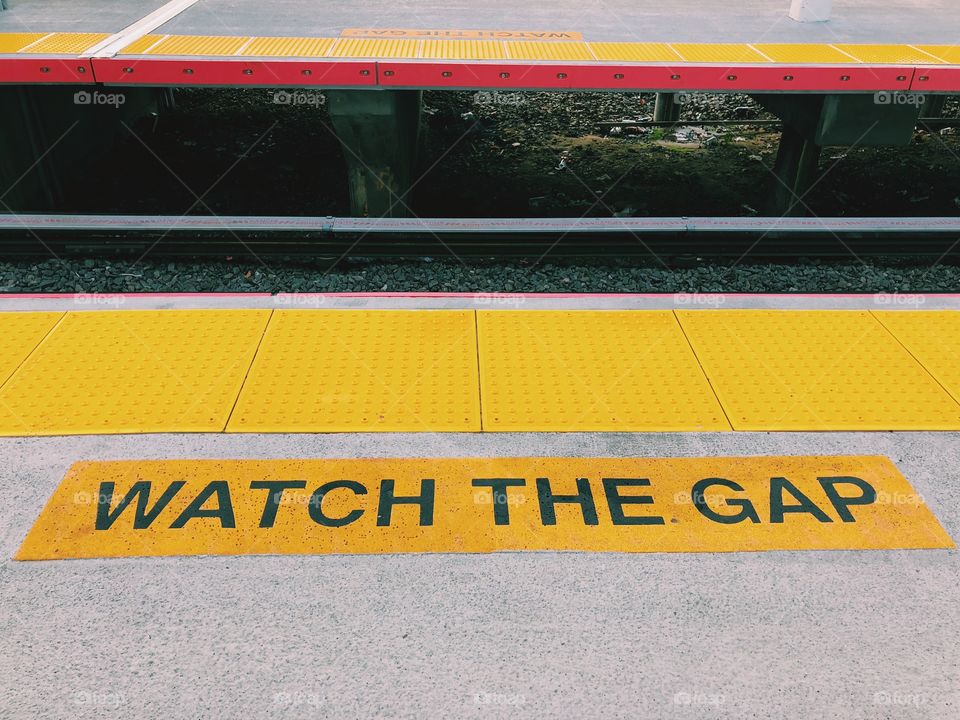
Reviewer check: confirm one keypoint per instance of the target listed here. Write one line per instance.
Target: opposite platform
(464, 370)
(748, 46)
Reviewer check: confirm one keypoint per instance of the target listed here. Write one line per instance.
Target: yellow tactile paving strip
(288, 47)
(933, 338)
(946, 53)
(20, 333)
(14, 42)
(888, 54)
(479, 505)
(493, 49)
(463, 49)
(65, 43)
(433, 370)
(133, 371)
(815, 370)
(629, 370)
(356, 370)
(198, 45)
(374, 48)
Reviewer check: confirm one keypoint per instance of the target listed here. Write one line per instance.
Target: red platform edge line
(42, 70)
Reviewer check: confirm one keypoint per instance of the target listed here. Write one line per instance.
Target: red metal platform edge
(739, 78)
(236, 72)
(38, 69)
(329, 72)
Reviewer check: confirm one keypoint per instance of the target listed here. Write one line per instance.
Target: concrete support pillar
(795, 168)
(810, 10)
(666, 109)
(379, 131)
(932, 107)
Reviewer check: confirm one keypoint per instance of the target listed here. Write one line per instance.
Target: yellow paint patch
(202, 45)
(718, 53)
(13, 42)
(933, 338)
(133, 371)
(20, 333)
(814, 370)
(889, 54)
(244, 507)
(289, 47)
(446, 34)
(356, 370)
(570, 51)
(66, 43)
(804, 54)
(463, 49)
(376, 48)
(609, 370)
(634, 52)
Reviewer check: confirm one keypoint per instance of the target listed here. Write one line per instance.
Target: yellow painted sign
(239, 507)
(447, 34)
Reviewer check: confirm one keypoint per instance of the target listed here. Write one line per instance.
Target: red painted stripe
(73, 296)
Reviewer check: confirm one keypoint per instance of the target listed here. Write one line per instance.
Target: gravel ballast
(433, 275)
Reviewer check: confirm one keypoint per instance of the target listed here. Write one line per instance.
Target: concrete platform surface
(840, 634)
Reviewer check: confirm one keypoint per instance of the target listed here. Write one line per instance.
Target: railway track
(36, 235)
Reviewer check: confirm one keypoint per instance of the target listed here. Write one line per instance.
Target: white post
(810, 10)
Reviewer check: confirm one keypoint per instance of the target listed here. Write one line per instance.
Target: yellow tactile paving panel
(634, 52)
(815, 370)
(20, 333)
(289, 47)
(133, 371)
(533, 50)
(718, 53)
(200, 45)
(369, 48)
(138, 47)
(804, 54)
(933, 338)
(66, 43)
(580, 370)
(357, 370)
(14, 42)
(889, 54)
(489, 48)
(463, 49)
(946, 53)
(480, 505)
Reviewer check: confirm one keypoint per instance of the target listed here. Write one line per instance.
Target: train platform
(561, 488)
(753, 46)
